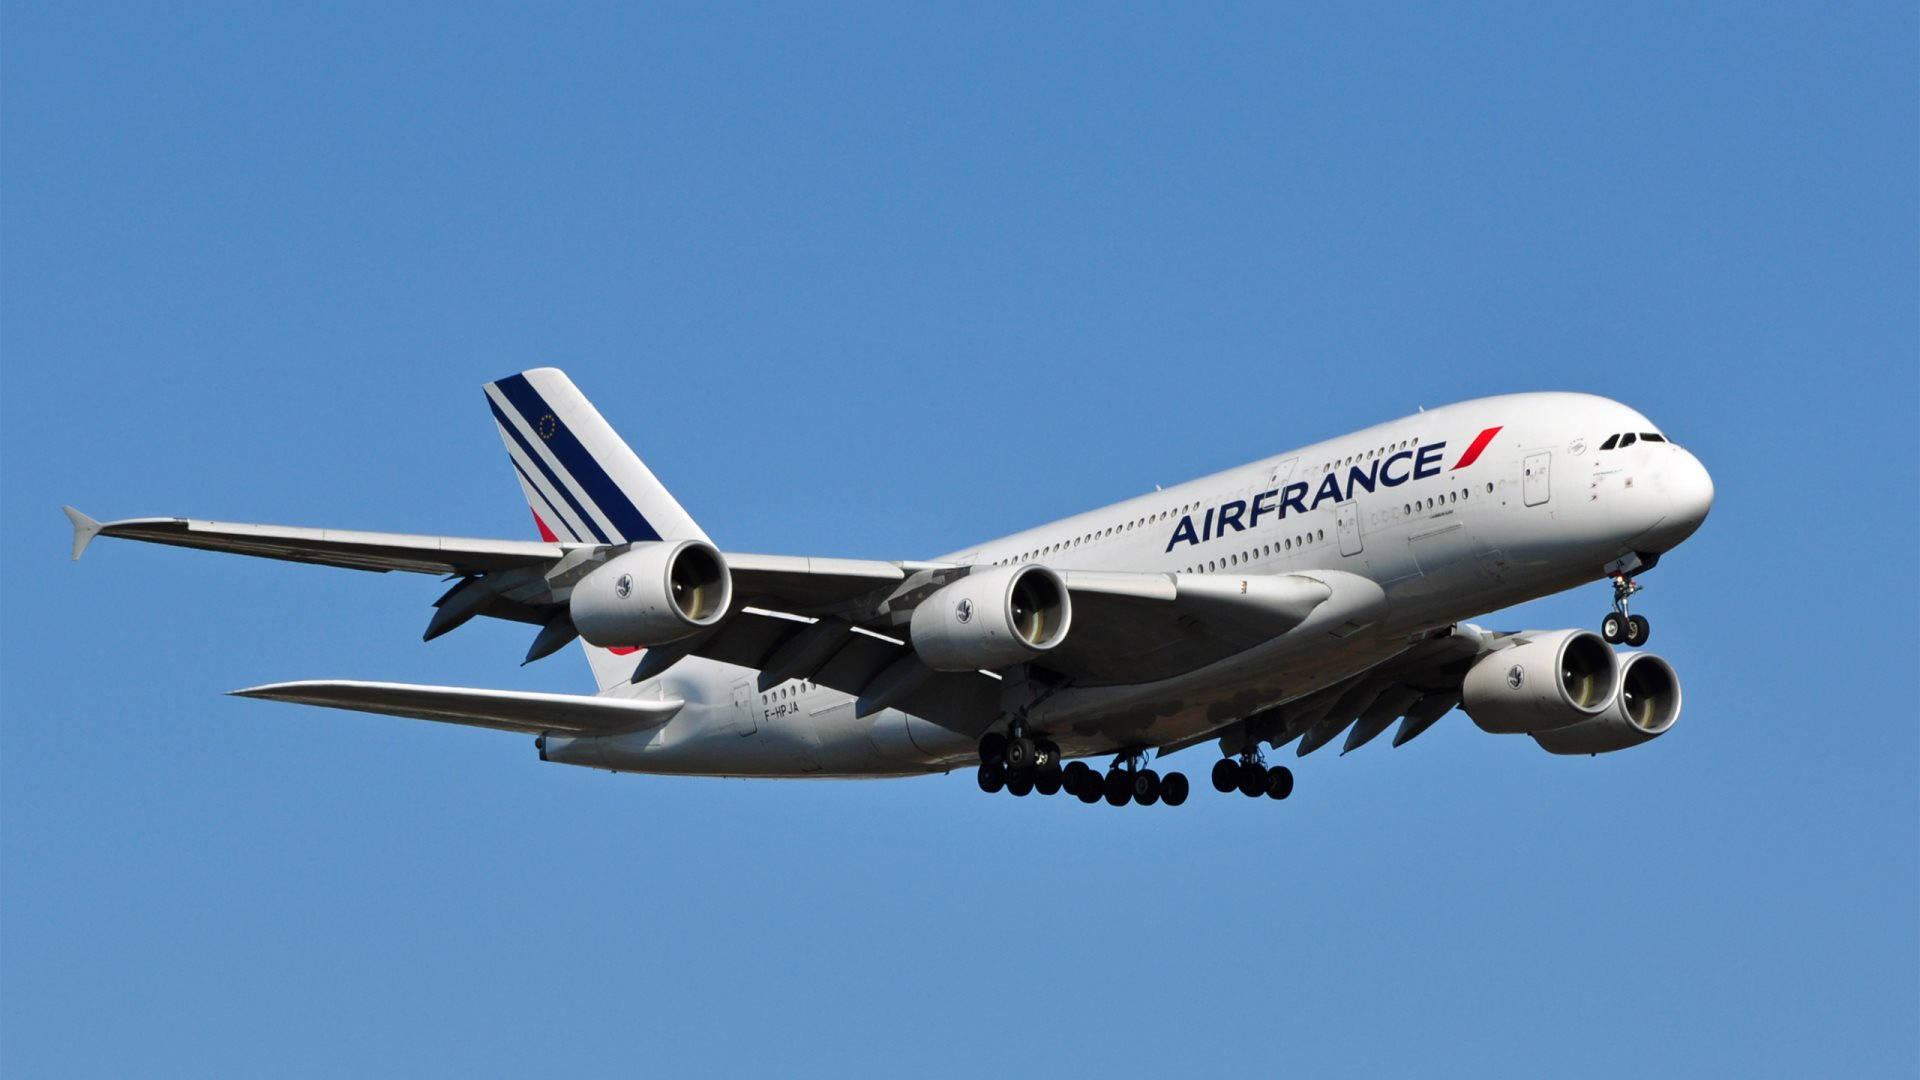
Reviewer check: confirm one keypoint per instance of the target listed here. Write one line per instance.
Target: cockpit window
(1612, 441)
(1626, 440)
(1652, 436)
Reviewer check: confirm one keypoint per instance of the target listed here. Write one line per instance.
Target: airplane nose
(1689, 489)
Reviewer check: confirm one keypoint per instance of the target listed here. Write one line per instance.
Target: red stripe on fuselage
(1479, 444)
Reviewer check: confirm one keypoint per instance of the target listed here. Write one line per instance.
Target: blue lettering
(1356, 478)
(1260, 507)
(1295, 497)
(1185, 528)
(1206, 531)
(1428, 462)
(1231, 514)
(1329, 489)
(1388, 478)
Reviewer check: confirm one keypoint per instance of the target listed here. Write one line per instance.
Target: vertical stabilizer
(582, 481)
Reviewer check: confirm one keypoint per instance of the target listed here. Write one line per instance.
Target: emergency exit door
(1535, 479)
(745, 704)
(1346, 521)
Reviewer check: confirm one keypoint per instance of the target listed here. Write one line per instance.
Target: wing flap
(502, 710)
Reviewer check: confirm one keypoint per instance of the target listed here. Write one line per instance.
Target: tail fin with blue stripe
(581, 479)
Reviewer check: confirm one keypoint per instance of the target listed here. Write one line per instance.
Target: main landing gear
(1618, 626)
(1022, 764)
(1251, 777)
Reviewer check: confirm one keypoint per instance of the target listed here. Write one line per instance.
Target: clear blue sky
(864, 283)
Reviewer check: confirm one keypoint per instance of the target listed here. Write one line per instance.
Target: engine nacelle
(1553, 681)
(992, 618)
(655, 593)
(1646, 705)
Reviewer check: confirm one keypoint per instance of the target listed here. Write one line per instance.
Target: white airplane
(1317, 592)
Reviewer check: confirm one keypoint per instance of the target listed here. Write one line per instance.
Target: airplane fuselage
(1439, 517)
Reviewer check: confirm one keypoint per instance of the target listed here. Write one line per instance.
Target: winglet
(84, 530)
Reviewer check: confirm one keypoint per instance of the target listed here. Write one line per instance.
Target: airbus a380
(1318, 592)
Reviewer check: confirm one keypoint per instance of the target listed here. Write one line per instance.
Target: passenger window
(1612, 441)
(1626, 440)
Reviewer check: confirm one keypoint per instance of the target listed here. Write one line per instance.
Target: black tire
(1046, 753)
(993, 748)
(1119, 787)
(1279, 782)
(1092, 790)
(1019, 753)
(1638, 630)
(992, 777)
(1019, 784)
(1146, 787)
(1253, 781)
(1226, 775)
(1078, 776)
(1047, 779)
(1613, 628)
(1173, 788)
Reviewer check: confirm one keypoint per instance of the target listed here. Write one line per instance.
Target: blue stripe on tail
(540, 463)
(576, 460)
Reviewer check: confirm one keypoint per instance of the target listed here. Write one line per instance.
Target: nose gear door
(1535, 485)
(1347, 522)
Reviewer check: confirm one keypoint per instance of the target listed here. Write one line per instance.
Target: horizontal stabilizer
(504, 710)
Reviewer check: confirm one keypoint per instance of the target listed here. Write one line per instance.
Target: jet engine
(1646, 706)
(992, 618)
(1553, 681)
(654, 593)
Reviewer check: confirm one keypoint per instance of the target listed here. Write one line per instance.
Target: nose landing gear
(1618, 626)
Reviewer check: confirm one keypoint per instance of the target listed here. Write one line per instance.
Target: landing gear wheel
(1092, 789)
(1076, 776)
(1173, 788)
(1146, 787)
(1279, 782)
(993, 747)
(1253, 781)
(1019, 784)
(1047, 779)
(1020, 753)
(1637, 630)
(1046, 754)
(992, 777)
(1226, 775)
(1119, 787)
(1613, 628)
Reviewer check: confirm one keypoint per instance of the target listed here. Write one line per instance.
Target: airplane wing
(379, 552)
(502, 710)
(1128, 627)
(515, 573)
(1417, 687)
